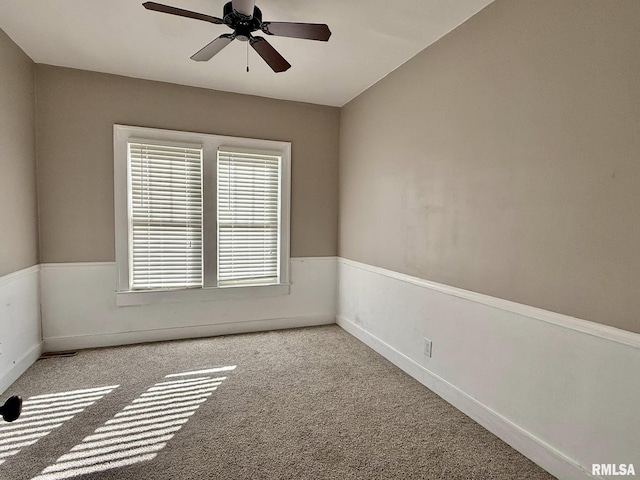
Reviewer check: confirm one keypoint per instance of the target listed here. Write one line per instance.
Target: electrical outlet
(427, 347)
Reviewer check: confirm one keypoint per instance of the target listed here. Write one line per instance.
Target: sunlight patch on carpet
(141, 429)
(198, 372)
(41, 414)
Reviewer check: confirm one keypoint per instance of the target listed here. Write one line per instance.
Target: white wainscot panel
(20, 335)
(563, 391)
(79, 308)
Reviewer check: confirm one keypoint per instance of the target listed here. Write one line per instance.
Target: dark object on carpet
(11, 409)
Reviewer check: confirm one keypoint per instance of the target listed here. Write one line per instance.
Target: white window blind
(165, 213)
(248, 218)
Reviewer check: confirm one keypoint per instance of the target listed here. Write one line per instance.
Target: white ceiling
(370, 39)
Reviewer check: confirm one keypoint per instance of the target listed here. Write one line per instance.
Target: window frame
(122, 135)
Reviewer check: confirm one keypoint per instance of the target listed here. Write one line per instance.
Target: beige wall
(505, 159)
(76, 111)
(18, 206)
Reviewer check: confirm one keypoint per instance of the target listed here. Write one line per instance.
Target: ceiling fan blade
(309, 31)
(269, 54)
(244, 7)
(182, 13)
(208, 51)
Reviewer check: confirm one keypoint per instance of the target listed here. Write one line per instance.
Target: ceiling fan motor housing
(242, 26)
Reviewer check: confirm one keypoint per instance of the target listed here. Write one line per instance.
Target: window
(248, 211)
(199, 216)
(165, 216)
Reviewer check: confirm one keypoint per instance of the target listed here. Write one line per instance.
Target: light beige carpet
(310, 403)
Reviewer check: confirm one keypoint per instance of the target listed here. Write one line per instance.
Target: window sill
(207, 294)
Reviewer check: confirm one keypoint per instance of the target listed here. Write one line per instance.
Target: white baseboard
(79, 308)
(22, 364)
(535, 449)
(561, 390)
(195, 331)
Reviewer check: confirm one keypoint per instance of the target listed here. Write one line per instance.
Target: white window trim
(122, 134)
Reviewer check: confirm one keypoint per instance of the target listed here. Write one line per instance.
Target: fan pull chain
(247, 56)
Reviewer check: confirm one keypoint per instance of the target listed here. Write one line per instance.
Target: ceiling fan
(244, 18)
